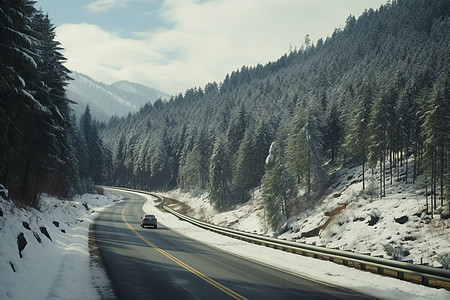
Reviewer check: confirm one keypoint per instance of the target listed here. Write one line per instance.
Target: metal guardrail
(381, 264)
(361, 261)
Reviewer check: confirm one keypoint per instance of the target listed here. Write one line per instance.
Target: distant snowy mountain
(105, 101)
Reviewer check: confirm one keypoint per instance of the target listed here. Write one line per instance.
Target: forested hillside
(376, 93)
(41, 147)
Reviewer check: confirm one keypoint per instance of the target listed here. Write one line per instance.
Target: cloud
(91, 49)
(101, 6)
(202, 41)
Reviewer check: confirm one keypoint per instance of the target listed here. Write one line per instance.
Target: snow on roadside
(57, 266)
(344, 218)
(61, 268)
(245, 217)
(323, 271)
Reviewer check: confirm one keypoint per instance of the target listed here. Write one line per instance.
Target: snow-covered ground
(61, 268)
(54, 267)
(342, 220)
(323, 271)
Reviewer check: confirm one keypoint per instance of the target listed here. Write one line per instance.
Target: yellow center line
(182, 264)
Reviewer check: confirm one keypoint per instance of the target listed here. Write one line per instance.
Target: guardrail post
(425, 280)
(401, 275)
(380, 270)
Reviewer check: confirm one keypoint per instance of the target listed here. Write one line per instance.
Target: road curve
(162, 264)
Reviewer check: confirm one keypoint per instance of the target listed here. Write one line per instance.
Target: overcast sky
(173, 45)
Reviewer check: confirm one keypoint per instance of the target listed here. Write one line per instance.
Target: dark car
(149, 220)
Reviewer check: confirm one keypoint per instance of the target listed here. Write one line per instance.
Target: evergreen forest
(376, 93)
(42, 147)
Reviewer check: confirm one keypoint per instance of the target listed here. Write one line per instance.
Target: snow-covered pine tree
(250, 163)
(94, 164)
(120, 172)
(296, 145)
(220, 177)
(54, 142)
(260, 149)
(407, 122)
(278, 189)
(202, 145)
(243, 169)
(333, 132)
(17, 66)
(356, 142)
(436, 133)
(305, 149)
(142, 163)
(380, 132)
(162, 171)
(237, 127)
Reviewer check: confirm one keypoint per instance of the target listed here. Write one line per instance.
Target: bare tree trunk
(384, 176)
(434, 182)
(391, 162)
(426, 192)
(442, 174)
(363, 176)
(381, 176)
(415, 162)
(432, 202)
(309, 180)
(406, 171)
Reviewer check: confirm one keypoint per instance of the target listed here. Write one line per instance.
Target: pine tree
(86, 128)
(436, 133)
(260, 149)
(54, 145)
(95, 165)
(356, 143)
(17, 66)
(120, 171)
(333, 132)
(236, 129)
(34, 109)
(161, 163)
(278, 189)
(296, 146)
(220, 176)
(81, 153)
(381, 128)
(305, 150)
(243, 169)
(203, 147)
(72, 172)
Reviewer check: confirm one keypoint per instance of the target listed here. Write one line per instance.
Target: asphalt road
(162, 264)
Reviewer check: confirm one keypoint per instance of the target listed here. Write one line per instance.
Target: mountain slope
(394, 57)
(105, 101)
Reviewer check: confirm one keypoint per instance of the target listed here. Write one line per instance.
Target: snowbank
(54, 262)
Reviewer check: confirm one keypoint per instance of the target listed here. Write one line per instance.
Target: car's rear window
(149, 216)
